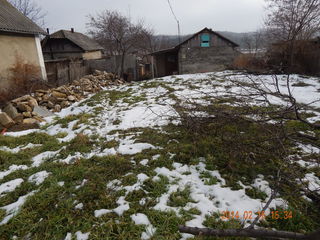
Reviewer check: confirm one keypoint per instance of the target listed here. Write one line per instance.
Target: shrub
(24, 79)
(250, 62)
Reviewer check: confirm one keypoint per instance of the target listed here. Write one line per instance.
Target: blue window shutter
(205, 37)
(205, 40)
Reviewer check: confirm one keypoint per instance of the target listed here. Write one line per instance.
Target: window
(205, 40)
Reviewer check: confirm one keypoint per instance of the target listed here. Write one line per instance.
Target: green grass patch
(180, 198)
(256, 193)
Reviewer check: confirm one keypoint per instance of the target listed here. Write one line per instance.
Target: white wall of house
(15, 48)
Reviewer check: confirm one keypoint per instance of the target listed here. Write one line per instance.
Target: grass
(209, 179)
(256, 193)
(300, 84)
(47, 142)
(180, 198)
(55, 204)
(50, 213)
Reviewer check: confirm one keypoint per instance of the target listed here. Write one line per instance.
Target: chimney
(72, 30)
(48, 31)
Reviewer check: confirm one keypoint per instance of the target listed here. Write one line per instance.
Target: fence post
(69, 71)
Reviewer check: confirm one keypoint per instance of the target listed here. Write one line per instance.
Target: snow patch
(12, 169)
(79, 206)
(208, 199)
(10, 186)
(40, 158)
(134, 148)
(39, 177)
(82, 236)
(13, 208)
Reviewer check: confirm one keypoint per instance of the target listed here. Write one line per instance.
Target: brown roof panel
(12, 20)
(81, 40)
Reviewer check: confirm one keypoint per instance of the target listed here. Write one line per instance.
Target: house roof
(213, 32)
(174, 49)
(81, 40)
(12, 20)
(194, 35)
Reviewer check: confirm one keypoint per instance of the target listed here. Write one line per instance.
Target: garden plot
(128, 163)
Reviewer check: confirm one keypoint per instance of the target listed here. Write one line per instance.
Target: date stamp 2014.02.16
(250, 215)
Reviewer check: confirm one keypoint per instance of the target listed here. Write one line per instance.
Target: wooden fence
(64, 71)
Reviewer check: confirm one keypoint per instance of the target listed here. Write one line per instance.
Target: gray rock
(57, 108)
(29, 121)
(24, 107)
(32, 102)
(11, 111)
(42, 112)
(27, 114)
(5, 120)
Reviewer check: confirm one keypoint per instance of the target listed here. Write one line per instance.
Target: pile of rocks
(29, 110)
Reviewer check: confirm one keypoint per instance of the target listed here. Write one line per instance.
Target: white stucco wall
(26, 48)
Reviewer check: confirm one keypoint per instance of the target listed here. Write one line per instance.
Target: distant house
(205, 51)
(19, 43)
(70, 45)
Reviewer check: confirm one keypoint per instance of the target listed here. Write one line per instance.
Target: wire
(175, 17)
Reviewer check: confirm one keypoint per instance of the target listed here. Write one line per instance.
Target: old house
(205, 51)
(70, 45)
(19, 44)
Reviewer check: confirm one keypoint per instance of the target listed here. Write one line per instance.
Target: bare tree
(30, 9)
(119, 35)
(291, 22)
(254, 89)
(293, 19)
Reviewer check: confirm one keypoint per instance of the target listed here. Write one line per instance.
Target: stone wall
(198, 59)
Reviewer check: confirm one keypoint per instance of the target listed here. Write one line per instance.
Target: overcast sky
(220, 15)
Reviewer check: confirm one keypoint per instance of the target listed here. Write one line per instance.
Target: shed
(205, 51)
(70, 44)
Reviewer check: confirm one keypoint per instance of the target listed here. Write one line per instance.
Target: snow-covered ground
(155, 109)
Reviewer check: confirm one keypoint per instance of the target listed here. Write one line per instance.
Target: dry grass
(249, 62)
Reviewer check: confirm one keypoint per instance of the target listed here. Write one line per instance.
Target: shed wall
(197, 59)
(92, 55)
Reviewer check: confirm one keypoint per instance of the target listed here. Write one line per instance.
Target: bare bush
(250, 62)
(24, 79)
(269, 143)
(119, 36)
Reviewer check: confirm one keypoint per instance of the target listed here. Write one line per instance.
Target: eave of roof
(194, 35)
(213, 32)
(174, 49)
(13, 21)
(81, 40)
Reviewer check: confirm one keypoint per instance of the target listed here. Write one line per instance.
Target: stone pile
(29, 110)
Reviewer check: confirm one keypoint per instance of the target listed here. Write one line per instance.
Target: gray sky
(220, 15)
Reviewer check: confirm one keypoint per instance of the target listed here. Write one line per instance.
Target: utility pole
(175, 17)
